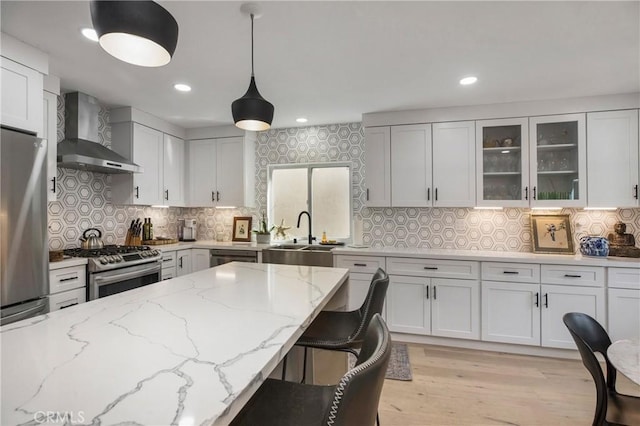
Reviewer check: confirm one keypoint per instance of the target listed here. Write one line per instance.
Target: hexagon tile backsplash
(84, 201)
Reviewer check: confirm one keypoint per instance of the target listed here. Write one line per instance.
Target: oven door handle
(122, 277)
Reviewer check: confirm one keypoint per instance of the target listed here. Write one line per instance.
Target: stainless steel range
(114, 269)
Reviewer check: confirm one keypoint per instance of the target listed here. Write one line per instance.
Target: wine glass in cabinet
(502, 162)
(557, 160)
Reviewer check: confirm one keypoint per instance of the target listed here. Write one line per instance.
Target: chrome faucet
(311, 238)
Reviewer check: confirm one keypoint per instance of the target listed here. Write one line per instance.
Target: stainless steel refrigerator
(24, 259)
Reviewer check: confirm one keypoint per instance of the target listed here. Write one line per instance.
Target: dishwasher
(221, 256)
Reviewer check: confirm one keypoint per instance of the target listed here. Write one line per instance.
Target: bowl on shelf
(594, 246)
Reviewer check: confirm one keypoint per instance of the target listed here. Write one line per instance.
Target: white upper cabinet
(454, 164)
(173, 170)
(222, 172)
(411, 166)
(377, 166)
(144, 146)
(21, 96)
(558, 161)
(502, 163)
(612, 159)
(50, 133)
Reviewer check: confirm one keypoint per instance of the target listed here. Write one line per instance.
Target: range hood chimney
(81, 148)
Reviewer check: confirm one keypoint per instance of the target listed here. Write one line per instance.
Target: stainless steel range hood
(80, 149)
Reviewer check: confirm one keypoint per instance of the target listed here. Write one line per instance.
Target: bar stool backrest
(373, 303)
(355, 401)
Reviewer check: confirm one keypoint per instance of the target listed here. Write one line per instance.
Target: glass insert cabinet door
(558, 161)
(503, 162)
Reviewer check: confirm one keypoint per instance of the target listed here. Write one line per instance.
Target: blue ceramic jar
(594, 246)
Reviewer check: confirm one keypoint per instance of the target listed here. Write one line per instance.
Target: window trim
(310, 167)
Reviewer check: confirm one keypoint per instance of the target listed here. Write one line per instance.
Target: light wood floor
(454, 386)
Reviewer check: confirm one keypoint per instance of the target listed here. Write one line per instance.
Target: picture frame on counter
(241, 229)
(552, 234)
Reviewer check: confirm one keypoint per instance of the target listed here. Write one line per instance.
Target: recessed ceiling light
(468, 80)
(181, 87)
(301, 120)
(90, 33)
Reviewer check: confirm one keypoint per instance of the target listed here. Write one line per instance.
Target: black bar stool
(353, 401)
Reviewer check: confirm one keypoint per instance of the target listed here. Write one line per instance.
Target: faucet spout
(311, 237)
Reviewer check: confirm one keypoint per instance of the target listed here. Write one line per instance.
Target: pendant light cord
(252, 75)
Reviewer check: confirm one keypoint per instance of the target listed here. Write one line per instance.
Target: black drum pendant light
(252, 111)
(138, 32)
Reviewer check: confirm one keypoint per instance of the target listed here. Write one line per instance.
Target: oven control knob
(118, 258)
(144, 254)
(103, 260)
(155, 252)
(111, 259)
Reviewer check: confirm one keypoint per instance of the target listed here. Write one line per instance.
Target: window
(324, 190)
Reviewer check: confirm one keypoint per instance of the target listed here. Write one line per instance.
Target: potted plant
(263, 233)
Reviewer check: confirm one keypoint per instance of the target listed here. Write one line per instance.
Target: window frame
(310, 167)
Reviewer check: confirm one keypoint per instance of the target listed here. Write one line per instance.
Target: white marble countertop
(66, 263)
(211, 244)
(625, 357)
(491, 256)
(188, 351)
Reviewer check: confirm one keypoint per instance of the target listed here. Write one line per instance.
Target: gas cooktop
(114, 257)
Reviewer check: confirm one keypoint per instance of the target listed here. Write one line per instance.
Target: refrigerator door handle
(40, 308)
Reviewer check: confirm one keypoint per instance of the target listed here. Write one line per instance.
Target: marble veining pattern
(190, 350)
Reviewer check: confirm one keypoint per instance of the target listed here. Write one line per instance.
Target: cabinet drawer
(169, 259)
(66, 299)
(511, 272)
(624, 278)
(67, 278)
(168, 273)
(592, 276)
(461, 269)
(364, 264)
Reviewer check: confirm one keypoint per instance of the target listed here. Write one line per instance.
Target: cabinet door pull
(69, 279)
(635, 192)
(511, 272)
(217, 196)
(526, 193)
(436, 200)
(360, 264)
(427, 287)
(534, 193)
(180, 261)
(537, 300)
(431, 268)
(572, 276)
(434, 293)
(166, 260)
(213, 196)
(53, 188)
(68, 306)
(166, 194)
(367, 194)
(137, 192)
(546, 300)
(428, 194)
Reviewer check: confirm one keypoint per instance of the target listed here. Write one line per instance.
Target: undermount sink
(298, 254)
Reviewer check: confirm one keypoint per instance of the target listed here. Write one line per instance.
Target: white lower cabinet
(531, 313)
(183, 262)
(362, 269)
(168, 265)
(623, 303)
(68, 287)
(434, 297)
(434, 306)
(199, 259)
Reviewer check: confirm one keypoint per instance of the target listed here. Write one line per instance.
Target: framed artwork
(241, 228)
(552, 234)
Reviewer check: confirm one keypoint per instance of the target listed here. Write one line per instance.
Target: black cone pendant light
(138, 32)
(252, 111)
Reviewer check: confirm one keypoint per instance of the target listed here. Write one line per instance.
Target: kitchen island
(187, 351)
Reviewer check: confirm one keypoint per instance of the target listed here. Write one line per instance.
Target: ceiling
(333, 61)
